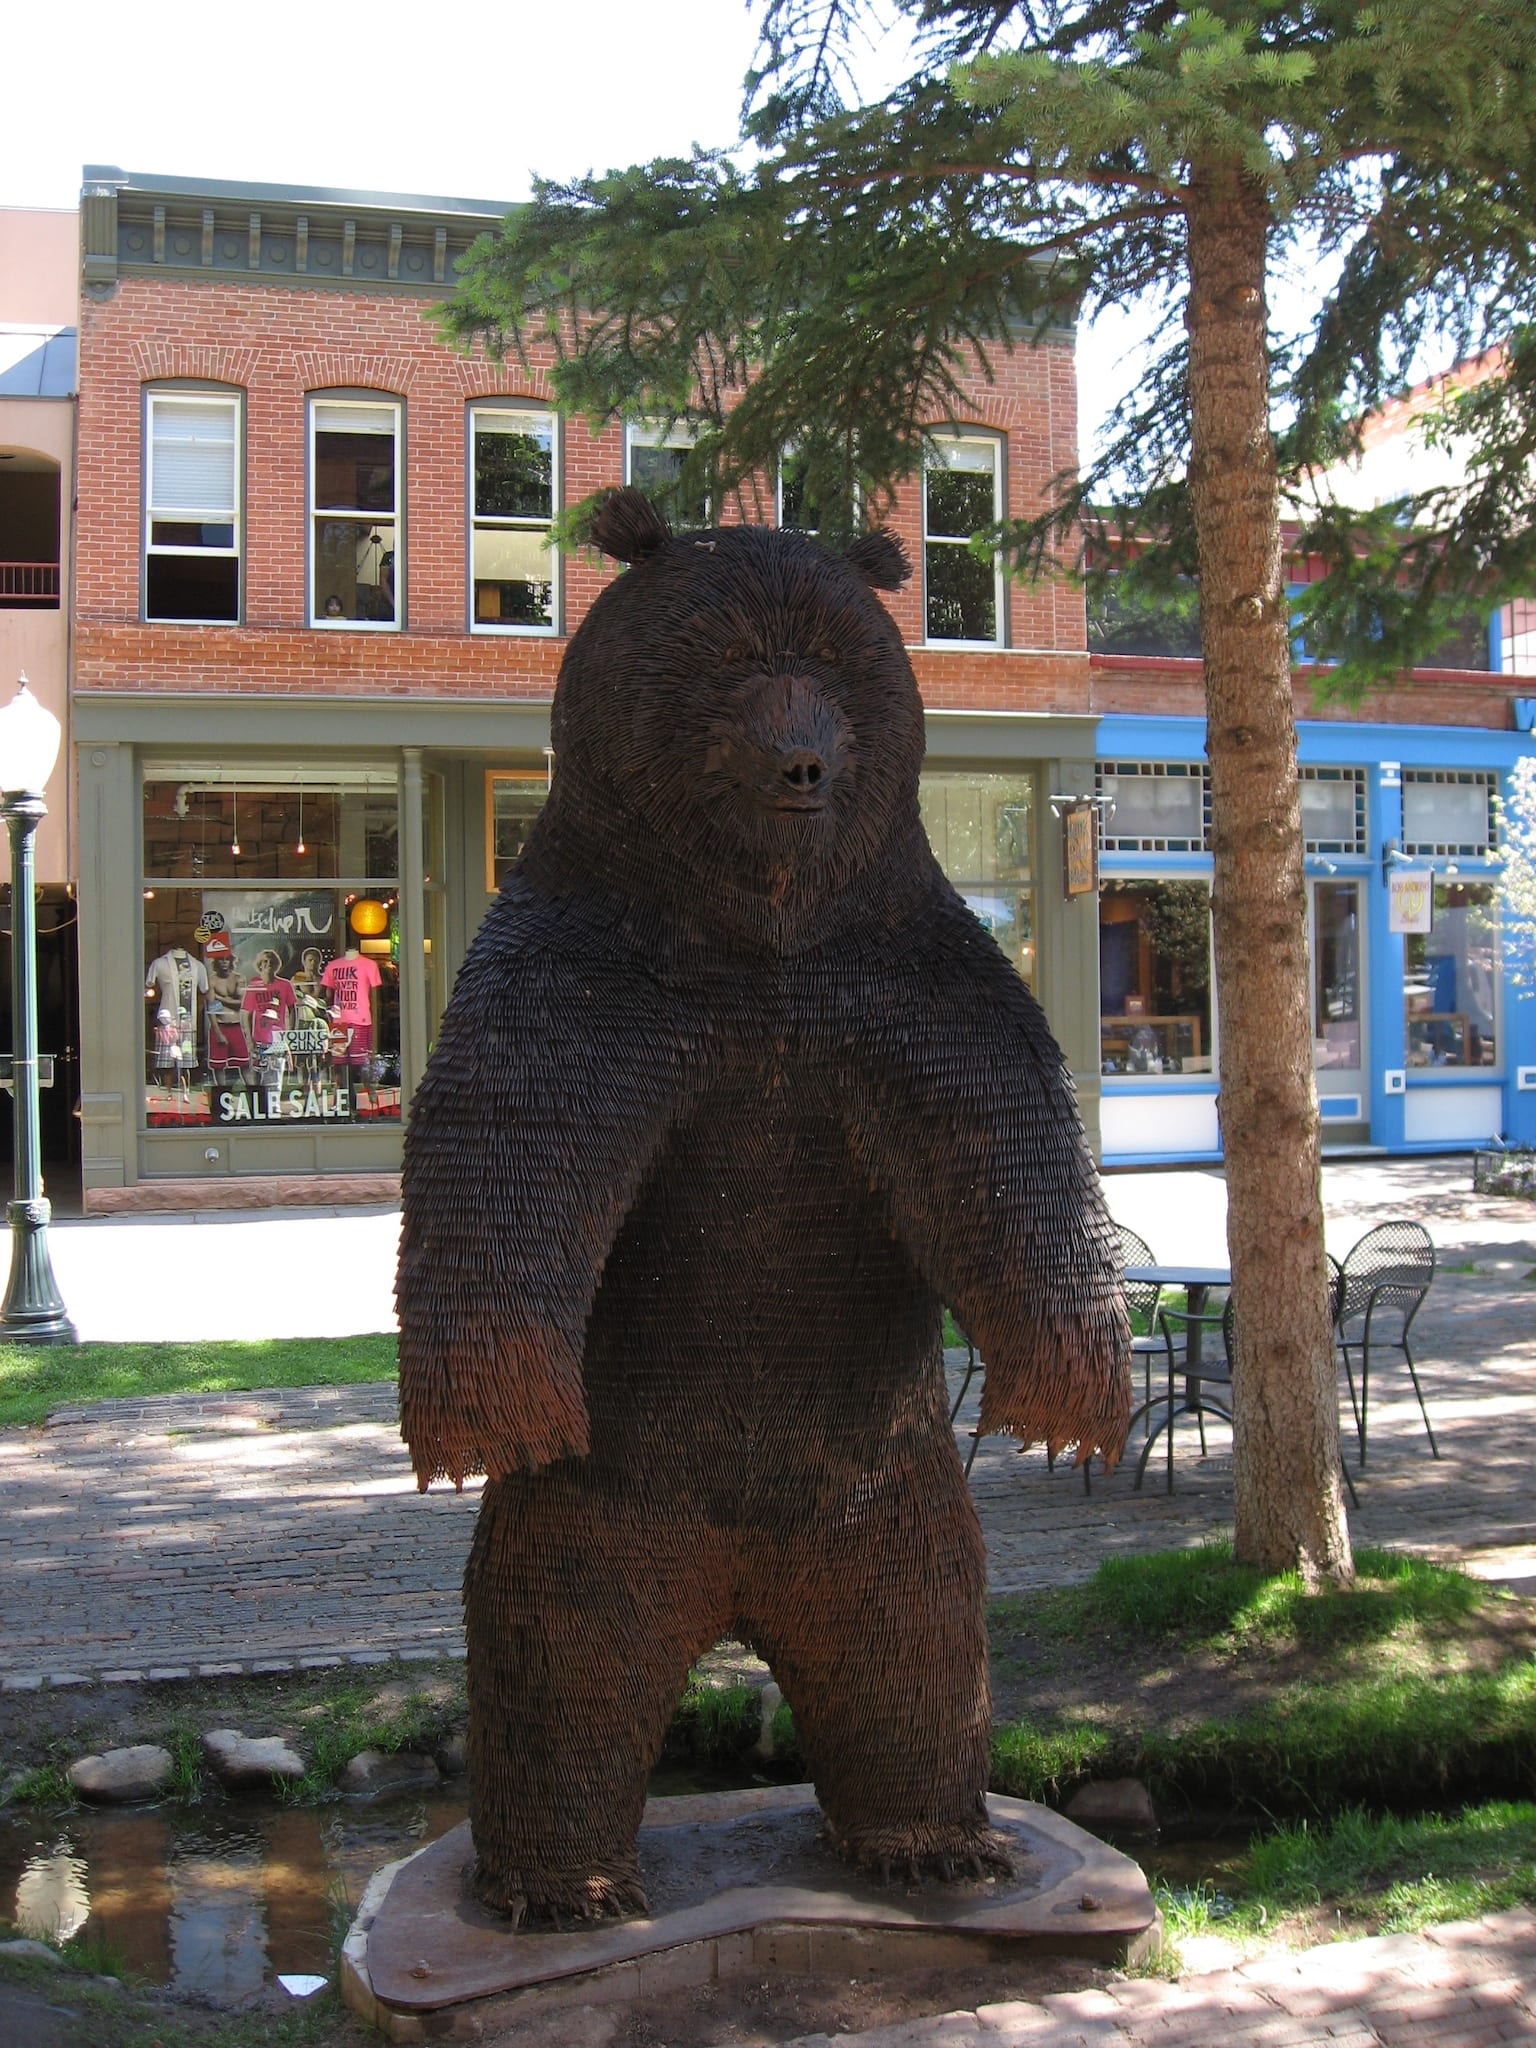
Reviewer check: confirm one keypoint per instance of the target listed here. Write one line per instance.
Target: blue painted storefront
(1399, 1108)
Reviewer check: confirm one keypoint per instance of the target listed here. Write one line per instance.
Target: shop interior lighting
(234, 844)
(300, 847)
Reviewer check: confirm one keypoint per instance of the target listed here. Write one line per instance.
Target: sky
(468, 100)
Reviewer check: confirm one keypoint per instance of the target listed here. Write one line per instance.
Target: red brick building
(316, 636)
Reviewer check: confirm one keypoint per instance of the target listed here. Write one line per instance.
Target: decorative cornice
(309, 236)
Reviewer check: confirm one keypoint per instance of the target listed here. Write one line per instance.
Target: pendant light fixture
(300, 847)
(234, 844)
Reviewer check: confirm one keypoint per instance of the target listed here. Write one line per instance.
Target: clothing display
(350, 983)
(175, 981)
(269, 1005)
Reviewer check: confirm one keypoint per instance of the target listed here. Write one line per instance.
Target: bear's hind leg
(582, 1615)
(872, 1619)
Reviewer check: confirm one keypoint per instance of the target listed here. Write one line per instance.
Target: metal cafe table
(1197, 1282)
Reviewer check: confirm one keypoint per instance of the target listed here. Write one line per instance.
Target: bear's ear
(627, 526)
(880, 559)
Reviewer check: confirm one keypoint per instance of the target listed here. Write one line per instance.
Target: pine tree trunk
(1289, 1510)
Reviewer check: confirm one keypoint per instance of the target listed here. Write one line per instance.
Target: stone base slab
(248, 1191)
(739, 1882)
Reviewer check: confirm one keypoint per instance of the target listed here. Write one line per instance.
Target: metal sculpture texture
(732, 1093)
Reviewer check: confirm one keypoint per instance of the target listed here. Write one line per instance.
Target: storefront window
(513, 801)
(1450, 980)
(981, 831)
(1155, 977)
(1336, 975)
(271, 948)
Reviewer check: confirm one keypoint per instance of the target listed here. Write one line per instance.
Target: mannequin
(174, 982)
(269, 1002)
(352, 982)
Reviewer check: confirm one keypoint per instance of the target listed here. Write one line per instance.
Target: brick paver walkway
(239, 1530)
(1468, 1985)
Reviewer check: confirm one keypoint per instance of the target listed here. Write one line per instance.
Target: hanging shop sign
(1411, 900)
(1079, 845)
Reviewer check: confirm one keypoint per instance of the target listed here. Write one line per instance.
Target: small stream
(216, 1899)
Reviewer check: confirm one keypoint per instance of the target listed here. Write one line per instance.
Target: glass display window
(981, 829)
(514, 798)
(271, 947)
(1336, 1007)
(1155, 977)
(1451, 979)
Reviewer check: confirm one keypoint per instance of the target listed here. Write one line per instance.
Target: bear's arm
(556, 1075)
(960, 1108)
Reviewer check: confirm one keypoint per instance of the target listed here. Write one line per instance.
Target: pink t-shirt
(269, 1004)
(350, 983)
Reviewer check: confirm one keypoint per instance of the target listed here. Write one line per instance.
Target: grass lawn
(1229, 1692)
(37, 1377)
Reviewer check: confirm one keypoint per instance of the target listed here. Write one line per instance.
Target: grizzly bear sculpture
(732, 1094)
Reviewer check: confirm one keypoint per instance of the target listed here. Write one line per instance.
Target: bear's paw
(954, 1851)
(531, 1897)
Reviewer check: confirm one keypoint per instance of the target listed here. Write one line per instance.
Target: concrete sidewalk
(257, 1530)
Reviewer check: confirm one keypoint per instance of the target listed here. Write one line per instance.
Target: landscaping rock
(31, 1952)
(241, 1762)
(453, 1757)
(377, 1773)
(120, 1775)
(1121, 1804)
(769, 1701)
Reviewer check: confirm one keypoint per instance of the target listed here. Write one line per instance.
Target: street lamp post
(33, 1313)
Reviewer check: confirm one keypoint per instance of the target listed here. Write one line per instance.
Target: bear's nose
(803, 770)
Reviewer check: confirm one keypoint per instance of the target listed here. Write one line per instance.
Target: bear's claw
(535, 1898)
(954, 1853)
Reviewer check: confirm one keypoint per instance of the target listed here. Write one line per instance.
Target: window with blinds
(356, 548)
(192, 507)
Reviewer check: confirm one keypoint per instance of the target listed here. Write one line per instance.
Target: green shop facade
(275, 898)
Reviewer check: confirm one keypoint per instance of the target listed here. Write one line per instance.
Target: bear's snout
(793, 740)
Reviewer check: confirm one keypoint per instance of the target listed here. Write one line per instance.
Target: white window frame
(233, 401)
(504, 408)
(358, 402)
(652, 434)
(995, 444)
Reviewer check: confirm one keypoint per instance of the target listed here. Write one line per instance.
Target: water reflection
(215, 1900)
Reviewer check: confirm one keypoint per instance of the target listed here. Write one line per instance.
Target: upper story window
(1449, 811)
(1333, 810)
(513, 568)
(962, 493)
(797, 508)
(653, 457)
(357, 557)
(192, 506)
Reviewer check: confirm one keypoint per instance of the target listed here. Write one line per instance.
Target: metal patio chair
(973, 1365)
(1186, 1395)
(1141, 1299)
(1379, 1290)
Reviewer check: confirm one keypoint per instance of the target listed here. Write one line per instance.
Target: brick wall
(278, 343)
(1147, 687)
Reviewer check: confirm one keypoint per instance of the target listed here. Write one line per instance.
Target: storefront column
(413, 928)
(111, 967)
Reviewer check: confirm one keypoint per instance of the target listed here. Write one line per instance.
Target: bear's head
(743, 698)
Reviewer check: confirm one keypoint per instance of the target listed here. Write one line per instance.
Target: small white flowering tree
(1517, 875)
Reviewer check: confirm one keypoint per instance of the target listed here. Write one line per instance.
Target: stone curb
(243, 1667)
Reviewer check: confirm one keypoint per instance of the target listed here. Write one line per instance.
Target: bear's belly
(757, 1318)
